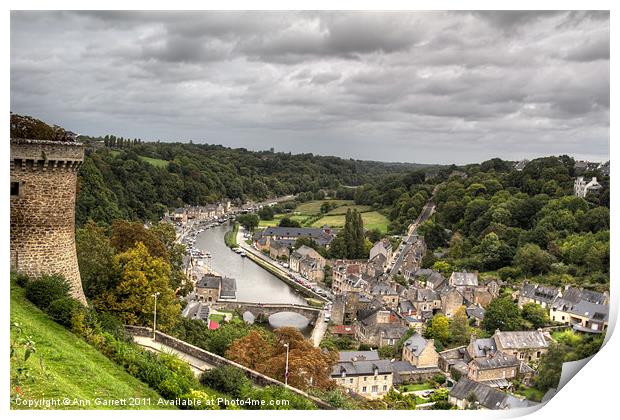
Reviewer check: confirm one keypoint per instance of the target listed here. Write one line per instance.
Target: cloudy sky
(429, 87)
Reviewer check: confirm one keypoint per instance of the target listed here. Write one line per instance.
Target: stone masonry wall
(43, 210)
(215, 360)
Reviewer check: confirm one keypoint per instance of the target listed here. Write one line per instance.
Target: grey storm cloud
(434, 87)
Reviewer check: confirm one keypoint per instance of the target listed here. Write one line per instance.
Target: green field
(309, 215)
(312, 208)
(64, 365)
(344, 209)
(160, 163)
(372, 220)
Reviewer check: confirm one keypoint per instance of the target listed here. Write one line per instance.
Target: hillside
(65, 366)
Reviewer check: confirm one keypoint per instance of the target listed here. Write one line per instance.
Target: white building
(582, 187)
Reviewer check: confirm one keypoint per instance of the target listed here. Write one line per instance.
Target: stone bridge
(268, 309)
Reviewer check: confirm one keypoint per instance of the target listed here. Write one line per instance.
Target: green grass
(532, 394)
(372, 220)
(64, 365)
(416, 387)
(159, 163)
(217, 318)
(344, 209)
(230, 237)
(312, 208)
(278, 217)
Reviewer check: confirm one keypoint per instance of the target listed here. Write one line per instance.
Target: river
(254, 284)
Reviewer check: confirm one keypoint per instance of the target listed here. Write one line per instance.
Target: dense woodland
(141, 180)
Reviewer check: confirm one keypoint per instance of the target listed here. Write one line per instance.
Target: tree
(95, 254)
(459, 330)
(532, 260)
(435, 235)
(439, 329)
(140, 276)
(248, 221)
(125, 236)
(535, 314)
(550, 368)
(250, 350)
(495, 253)
(266, 213)
(308, 365)
(502, 314)
(288, 222)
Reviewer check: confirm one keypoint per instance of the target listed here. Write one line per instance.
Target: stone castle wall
(43, 192)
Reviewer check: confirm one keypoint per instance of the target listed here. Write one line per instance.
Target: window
(385, 378)
(375, 388)
(14, 188)
(384, 387)
(363, 389)
(365, 378)
(351, 380)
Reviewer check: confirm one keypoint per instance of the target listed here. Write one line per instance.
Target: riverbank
(310, 296)
(230, 237)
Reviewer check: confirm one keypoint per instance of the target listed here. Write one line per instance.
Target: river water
(254, 284)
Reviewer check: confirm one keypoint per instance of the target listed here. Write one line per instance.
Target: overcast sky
(428, 87)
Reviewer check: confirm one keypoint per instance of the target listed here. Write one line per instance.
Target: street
(427, 212)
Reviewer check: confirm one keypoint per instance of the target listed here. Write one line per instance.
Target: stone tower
(43, 190)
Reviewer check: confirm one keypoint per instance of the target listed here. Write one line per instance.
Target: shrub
(439, 378)
(202, 397)
(227, 379)
(62, 310)
(21, 279)
(47, 289)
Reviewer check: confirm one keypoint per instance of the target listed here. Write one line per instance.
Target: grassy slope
(72, 368)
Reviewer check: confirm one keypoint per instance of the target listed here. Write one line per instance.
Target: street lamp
(286, 367)
(154, 295)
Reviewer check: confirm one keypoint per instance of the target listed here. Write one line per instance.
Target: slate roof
(521, 339)
(358, 368)
(475, 311)
(487, 397)
(229, 288)
(483, 347)
(348, 356)
(318, 234)
(209, 282)
(584, 308)
(464, 279)
(416, 343)
(541, 293)
(383, 289)
(497, 360)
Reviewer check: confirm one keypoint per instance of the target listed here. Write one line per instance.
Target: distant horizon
(344, 157)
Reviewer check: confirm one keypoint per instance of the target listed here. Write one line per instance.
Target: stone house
(382, 247)
(463, 279)
(426, 302)
(278, 250)
(538, 294)
(303, 252)
(386, 294)
(382, 327)
(451, 301)
(496, 368)
(420, 352)
(212, 288)
(348, 277)
(467, 392)
(584, 316)
(527, 346)
(364, 374)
